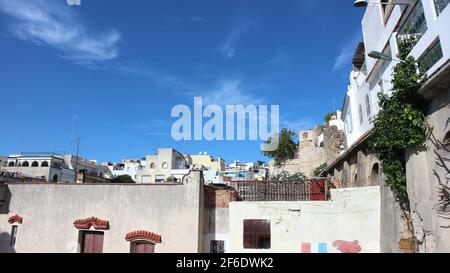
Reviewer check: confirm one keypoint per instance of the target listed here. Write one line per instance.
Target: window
(91, 241)
(217, 246)
(415, 25)
(440, 5)
(159, 178)
(55, 178)
(25, 164)
(12, 242)
(361, 116)
(11, 164)
(44, 164)
(368, 105)
(430, 57)
(152, 165)
(35, 164)
(386, 9)
(257, 234)
(165, 165)
(142, 247)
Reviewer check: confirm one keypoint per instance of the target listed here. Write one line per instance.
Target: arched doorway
(375, 175)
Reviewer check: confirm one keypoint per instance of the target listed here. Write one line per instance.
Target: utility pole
(76, 159)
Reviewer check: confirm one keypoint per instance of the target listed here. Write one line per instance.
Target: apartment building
(167, 165)
(386, 23)
(49, 166)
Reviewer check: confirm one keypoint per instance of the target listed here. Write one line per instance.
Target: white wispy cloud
(231, 92)
(229, 47)
(296, 125)
(55, 24)
(346, 53)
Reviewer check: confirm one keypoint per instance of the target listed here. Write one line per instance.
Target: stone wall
(428, 178)
(321, 145)
(359, 167)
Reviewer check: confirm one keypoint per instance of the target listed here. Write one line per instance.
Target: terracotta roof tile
(91, 221)
(143, 235)
(15, 219)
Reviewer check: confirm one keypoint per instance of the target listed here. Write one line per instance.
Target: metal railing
(440, 5)
(254, 191)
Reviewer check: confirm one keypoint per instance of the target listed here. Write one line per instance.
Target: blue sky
(110, 71)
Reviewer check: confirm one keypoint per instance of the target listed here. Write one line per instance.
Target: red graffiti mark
(347, 246)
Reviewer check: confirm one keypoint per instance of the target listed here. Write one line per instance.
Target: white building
(127, 167)
(49, 166)
(168, 164)
(383, 28)
(337, 121)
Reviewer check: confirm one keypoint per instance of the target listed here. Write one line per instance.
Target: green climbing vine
(400, 124)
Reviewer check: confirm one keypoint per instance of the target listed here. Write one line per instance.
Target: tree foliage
(400, 124)
(328, 116)
(123, 179)
(320, 169)
(287, 148)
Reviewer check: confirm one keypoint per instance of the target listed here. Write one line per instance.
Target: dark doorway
(91, 242)
(142, 247)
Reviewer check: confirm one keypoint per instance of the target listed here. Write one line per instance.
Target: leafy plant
(287, 148)
(320, 169)
(287, 177)
(400, 124)
(328, 116)
(123, 179)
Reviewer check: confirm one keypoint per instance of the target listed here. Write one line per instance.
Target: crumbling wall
(323, 144)
(428, 178)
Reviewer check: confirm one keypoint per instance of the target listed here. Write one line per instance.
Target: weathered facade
(59, 218)
(323, 144)
(350, 222)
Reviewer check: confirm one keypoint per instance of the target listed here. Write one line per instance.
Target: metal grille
(431, 57)
(440, 5)
(415, 26)
(217, 246)
(254, 191)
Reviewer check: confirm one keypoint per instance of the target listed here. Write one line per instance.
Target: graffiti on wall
(338, 246)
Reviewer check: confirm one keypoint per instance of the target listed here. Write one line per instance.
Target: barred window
(217, 246)
(257, 234)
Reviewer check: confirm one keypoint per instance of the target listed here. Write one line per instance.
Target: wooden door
(92, 242)
(142, 247)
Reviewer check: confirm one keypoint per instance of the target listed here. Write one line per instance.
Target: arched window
(165, 165)
(55, 178)
(375, 175)
(25, 164)
(152, 165)
(361, 117)
(368, 105)
(11, 164)
(35, 164)
(44, 164)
